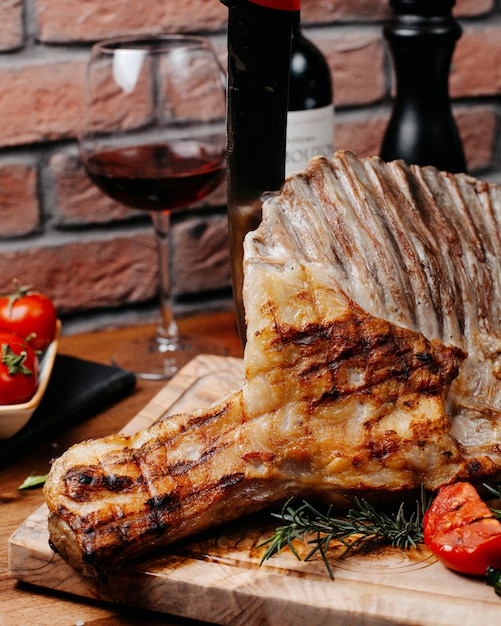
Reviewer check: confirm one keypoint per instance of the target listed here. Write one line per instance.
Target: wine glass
(153, 137)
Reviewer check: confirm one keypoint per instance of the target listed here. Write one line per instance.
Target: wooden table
(388, 587)
(24, 605)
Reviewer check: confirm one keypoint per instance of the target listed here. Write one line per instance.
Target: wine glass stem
(167, 333)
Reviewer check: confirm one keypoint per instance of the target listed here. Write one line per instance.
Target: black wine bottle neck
(310, 83)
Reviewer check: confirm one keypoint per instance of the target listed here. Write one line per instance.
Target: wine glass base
(151, 359)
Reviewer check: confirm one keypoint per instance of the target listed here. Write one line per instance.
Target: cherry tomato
(461, 530)
(18, 369)
(31, 315)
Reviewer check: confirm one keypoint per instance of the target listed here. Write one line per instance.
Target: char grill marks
(361, 352)
(369, 367)
(137, 488)
(261, 445)
(415, 246)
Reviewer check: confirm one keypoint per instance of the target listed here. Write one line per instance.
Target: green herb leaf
(493, 578)
(496, 492)
(362, 529)
(15, 362)
(33, 481)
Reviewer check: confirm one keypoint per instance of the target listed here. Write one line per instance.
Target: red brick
(477, 127)
(88, 272)
(11, 19)
(91, 273)
(320, 11)
(470, 8)
(476, 70)
(358, 67)
(19, 211)
(74, 20)
(202, 259)
(360, 133)
(39, 99)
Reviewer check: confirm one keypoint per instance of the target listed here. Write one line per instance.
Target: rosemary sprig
(496, 492)
(362, 529)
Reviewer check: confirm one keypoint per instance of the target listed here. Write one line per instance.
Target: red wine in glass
(157, 177)
(153, 137)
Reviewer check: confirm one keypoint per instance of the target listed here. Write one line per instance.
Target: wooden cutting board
(217, 578)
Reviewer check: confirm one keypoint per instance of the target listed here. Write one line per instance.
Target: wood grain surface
(23, 604)
(217, 577)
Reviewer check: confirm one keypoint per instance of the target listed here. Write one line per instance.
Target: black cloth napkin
(77, 390)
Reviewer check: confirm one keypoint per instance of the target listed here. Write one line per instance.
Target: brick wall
(98, 259)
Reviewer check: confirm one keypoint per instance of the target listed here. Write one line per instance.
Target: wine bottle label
(309, 133)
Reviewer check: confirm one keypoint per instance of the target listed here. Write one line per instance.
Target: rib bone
(344, 391)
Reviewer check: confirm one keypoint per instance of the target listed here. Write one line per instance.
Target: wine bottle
(422, 35)
(310, 118)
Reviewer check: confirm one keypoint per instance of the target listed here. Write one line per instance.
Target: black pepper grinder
(422, 35)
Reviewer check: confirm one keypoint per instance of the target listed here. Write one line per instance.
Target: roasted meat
(371, 304)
